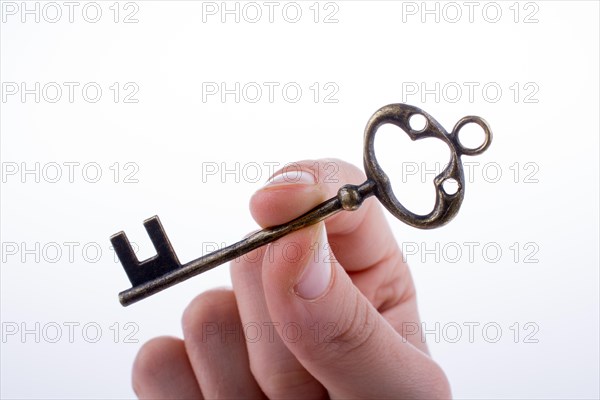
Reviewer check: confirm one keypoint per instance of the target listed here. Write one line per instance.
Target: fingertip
(162, 369)
(300, 186)
(149, 360)
(274, 206)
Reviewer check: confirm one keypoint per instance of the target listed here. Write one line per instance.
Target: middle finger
(275, 368)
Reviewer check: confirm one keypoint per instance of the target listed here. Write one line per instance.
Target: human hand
(317, 314)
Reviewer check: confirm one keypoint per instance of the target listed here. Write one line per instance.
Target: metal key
(164, 270)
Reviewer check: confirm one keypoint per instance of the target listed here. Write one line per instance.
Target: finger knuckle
(350, 333)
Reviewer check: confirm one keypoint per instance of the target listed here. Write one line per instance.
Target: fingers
(275, 368)
(361, 240)
(326, 303)
(216, 347)
(339, 336)
(334, 329)
(288, 196)
(162, 370)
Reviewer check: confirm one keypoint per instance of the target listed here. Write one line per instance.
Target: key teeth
(161, 242)
(127, 256)
(162, 263)
(154, 220)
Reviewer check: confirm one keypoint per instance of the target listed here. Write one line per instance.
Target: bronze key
(164, 270)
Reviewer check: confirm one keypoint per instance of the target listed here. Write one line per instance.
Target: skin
(351, 343)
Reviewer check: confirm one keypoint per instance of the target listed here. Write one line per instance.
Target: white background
(373, 55)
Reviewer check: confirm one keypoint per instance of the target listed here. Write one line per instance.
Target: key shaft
(349, 197)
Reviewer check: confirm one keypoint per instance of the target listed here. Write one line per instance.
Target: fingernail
(315, 278)
(292, 177)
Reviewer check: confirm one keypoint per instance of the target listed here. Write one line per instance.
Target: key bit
(163, 262)
(164, 269)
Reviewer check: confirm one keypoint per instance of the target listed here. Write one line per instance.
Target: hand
(305, 319)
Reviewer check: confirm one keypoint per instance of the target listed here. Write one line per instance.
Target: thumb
(334, 331)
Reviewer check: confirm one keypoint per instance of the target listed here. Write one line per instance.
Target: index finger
(360, 239)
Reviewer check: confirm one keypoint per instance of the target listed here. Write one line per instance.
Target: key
(164, 269)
